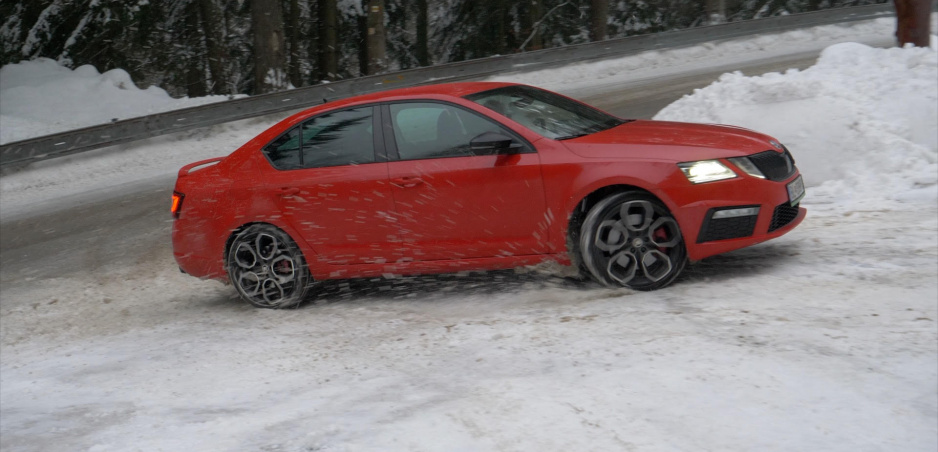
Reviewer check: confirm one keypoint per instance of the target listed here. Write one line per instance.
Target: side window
(432, 130)
(334, 139)
(284, 152)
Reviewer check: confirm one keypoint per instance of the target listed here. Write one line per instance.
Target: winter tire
(631, 240)
(267, 268)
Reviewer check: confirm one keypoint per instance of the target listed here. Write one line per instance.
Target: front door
(453, 204)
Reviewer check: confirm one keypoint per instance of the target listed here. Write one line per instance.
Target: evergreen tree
(195, 47)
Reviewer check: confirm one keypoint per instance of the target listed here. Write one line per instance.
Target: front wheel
(631, 240)
(267, 268)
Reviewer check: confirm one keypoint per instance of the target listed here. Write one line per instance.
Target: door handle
(288, 191)
(406, 182)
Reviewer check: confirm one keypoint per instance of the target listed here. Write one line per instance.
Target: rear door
(452, 203)
(332, 187)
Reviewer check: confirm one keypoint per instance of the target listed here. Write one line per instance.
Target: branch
(538, 24)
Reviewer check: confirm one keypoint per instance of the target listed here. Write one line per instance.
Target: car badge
(776, 144)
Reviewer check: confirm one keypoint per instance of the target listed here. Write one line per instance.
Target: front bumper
(705, 236)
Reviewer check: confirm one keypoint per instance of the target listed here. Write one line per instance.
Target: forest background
(199, 47)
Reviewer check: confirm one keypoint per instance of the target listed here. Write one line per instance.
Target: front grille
(776, 166)
(726, 228)
(784, 214)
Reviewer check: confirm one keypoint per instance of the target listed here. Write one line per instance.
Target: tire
(630, 239)
(267, 268)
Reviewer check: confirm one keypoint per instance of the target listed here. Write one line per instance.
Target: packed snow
(823, 339)
(42, 97)
(603, 75)
(862, 118)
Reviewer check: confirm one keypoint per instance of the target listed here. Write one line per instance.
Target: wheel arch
(581, 216)
(577, 212)
(308, 253)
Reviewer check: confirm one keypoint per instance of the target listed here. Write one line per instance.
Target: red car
(476, 176)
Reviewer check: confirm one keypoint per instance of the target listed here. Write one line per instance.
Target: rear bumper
(195, 257)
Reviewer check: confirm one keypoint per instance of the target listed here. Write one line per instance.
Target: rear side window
(340, 138)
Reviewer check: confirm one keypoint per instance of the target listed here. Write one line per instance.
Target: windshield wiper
(577, 135)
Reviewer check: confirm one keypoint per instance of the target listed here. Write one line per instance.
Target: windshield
(546, 113)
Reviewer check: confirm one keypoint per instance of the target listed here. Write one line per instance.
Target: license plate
(795, 190)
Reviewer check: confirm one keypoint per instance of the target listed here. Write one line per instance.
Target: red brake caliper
(660, 235)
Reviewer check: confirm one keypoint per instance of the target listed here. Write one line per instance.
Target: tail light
(177, 203)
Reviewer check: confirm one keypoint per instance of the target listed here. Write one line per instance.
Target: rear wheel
(630, 239)
(267, 268)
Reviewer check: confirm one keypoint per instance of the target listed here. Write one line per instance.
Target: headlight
(746, 165)
(706, 171)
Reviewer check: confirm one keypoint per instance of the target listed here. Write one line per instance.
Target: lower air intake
(784, 214)
(726, 228)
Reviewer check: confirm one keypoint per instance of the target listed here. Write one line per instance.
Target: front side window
(333, 139)
(546, 113)
(424, 130)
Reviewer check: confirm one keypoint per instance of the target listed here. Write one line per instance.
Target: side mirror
(490, 143)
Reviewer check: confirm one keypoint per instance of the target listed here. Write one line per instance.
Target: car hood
(664, 140)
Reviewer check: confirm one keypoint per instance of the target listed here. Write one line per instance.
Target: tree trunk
(269, 55)
(423, 49)
(362, 22)
(529, 19)
(195, 71)
(716, 11)
(377, 40)
(293, 43)
(328, 40)
(500, 27)
(599, 14)
(913, 22)
(212, 25)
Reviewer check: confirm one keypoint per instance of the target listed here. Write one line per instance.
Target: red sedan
(476, 176)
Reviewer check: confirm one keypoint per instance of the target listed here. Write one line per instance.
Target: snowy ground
(824, 339)
(41, 97)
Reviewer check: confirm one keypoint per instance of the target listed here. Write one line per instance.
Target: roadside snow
(600, 76)
(50, 183)
(862, 118)
(42, 97)
(824, 339)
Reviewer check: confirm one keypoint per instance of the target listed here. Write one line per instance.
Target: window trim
(378, 137)
(390, 143)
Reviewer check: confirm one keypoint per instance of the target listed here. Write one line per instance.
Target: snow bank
(862, 123)
(41, 97)
(841, 356)
(599, 76)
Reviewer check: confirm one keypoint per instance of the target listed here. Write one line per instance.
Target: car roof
(436, 90)
(459, 89)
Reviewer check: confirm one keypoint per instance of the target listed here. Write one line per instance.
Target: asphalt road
(134, 226)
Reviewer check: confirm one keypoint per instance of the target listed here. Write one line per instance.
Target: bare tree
(194, 66)
(293, 31)
(423, 50)
(716, 11)
(535, 32)
(913, 22)
(599, 14)
(269, 56)
(377, 39)
(213, 26)
(328, 40)
(530, 18)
